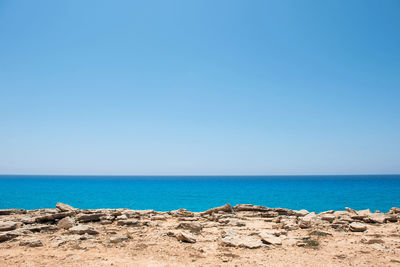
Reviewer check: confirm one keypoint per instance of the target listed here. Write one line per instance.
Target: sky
(200, 87)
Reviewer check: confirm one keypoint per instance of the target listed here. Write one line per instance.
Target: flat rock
(119, 238)
(182, 213)
(249, 207)
(376, 218)
(66, 223)
(12, 211)
(357, 227)
(269, 238)
(193, 227)
(226, 208)
(33, 243)
(129, 222)
(53, 217)
(65, 207)
(7, 236)
(8, 226)
(185, 237)
(300, 213)
(93, 217)
(83, 229)
(250, 242)
(328, 217)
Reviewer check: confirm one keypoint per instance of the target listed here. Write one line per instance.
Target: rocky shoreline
(240, 235)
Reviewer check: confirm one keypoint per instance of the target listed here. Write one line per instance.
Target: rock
(282, 211)
(289, 224)
(226, 208)
(269, 238)
(249, 207)
(376, 218)
(12, 211)
(193, 227)
(33, 243)
(328, 217)
(122, 217)
(129, 222)
(83, 229)
(182, 213)
(267, 214)
(94, 217)
(232, 222)
(8, 226)
(53, 217)
(327, 212)
(310, 217)
(119, 238)
(364, 212)
(394, 210)
(41, 227)
(185, 237)
(351, 210)
(66, 223)
(28, 220)
(300, 213)
(7, 236)
(65, 207)
(357, 227)
(245, 242)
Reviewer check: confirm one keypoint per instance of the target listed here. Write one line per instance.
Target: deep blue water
(314, 193)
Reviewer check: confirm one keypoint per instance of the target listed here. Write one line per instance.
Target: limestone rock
(119, 238)
(185, 237)
(65, 207)
(33, 243)
(376, 218)
(249, 207)
(301, 213)
(232, 222)
(226, 208)
(8, 226)
(53, 217)
(94, 217)
(357, 227)
(310, 217)
(129, 222)
(182, 213)
(394, 210)
(28, 220)
(269, 238)
(12, 211)
(66, 223)
(83, 229)
(7, 236)
(193, 227)
(328, 217)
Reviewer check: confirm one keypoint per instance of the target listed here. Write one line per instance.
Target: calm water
(314, 193)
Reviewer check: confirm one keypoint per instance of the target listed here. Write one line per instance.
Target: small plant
(311, 243)
(319, 233)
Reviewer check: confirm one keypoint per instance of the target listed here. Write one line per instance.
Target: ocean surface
(199, 193)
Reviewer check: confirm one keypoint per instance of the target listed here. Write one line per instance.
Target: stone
(33, 243)
(65, 207)
(41, 227)
(269, 238)
(351, 210)
(28, 220)
(185, 237)
(83, 229)
(249, 207)
(121, 217)
(7, 236)
(8, 226)
(328, 217)
(232, 222)
(376, 218)
(394, 210)
(364, 212)
(129, 222)
(357, 227)
(250, 242)
(226, 208)
(53, 217)
(119, 238)
(182, 213)
(310, 217)
(300, 213)
(66, 223)
(193, 227)
(12, 211)
(94, 217)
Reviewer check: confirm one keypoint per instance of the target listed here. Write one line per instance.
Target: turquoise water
(314, 193)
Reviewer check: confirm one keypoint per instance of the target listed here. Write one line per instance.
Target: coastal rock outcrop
(83, 229)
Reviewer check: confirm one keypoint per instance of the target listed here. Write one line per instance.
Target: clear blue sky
(199, 87)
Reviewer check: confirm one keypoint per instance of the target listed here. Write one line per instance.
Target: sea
(199, 193)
